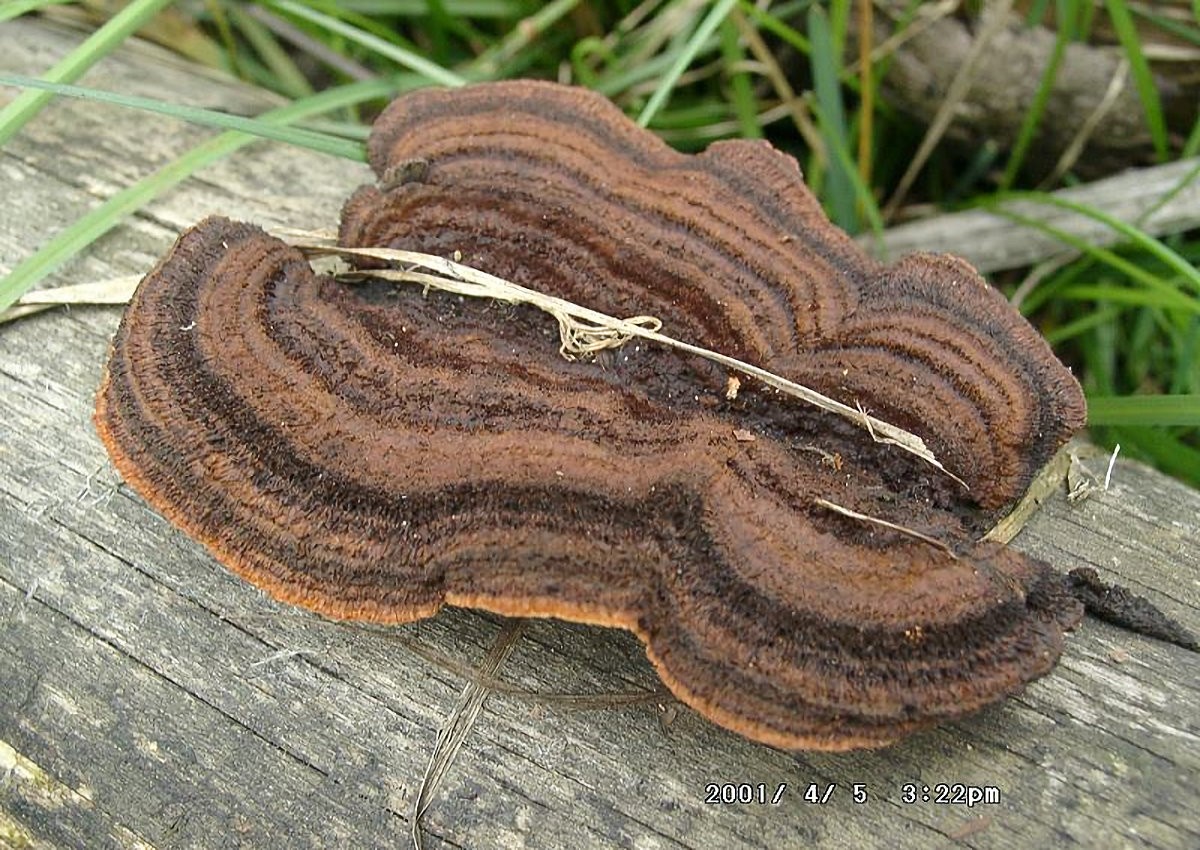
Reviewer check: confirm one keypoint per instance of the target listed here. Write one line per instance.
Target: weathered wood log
(992, 241)
(149, 698)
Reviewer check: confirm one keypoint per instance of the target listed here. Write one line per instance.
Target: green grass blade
(1170, 25)
(1032, 118)
(1135, 235)
(338, 129)
(1151, 410)
(861, 192)
(1143, 78)
(772, 23)
(1163, 297)
(222, 120)
(1171, 296)
(1192, 146)
(1057, 336)
(745, 105)
(973, 174)
(17, 8)
(839, 186)
(288, 78)
(489, 63)
(626, 77)
(98, 221)
(100, 43)
(1037, 11)
(414, 62)
(1163, 449)
(225, 33)
(417, 8)
(1184, 182)
(437, 27)
(683, 59)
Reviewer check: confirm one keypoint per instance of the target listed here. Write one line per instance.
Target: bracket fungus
(373, 452)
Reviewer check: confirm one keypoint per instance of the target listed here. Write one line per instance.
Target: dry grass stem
(459, 724)
(924, 538)
(1071, 155)
(115, 290)
(584, 330)
(993, 22)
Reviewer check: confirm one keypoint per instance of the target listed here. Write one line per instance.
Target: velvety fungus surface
(372, 452)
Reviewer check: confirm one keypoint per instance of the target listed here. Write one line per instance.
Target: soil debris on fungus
(373, 452)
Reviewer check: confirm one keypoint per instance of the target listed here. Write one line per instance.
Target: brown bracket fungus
(373, 452)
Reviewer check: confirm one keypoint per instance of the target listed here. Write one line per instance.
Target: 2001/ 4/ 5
(718, 793)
